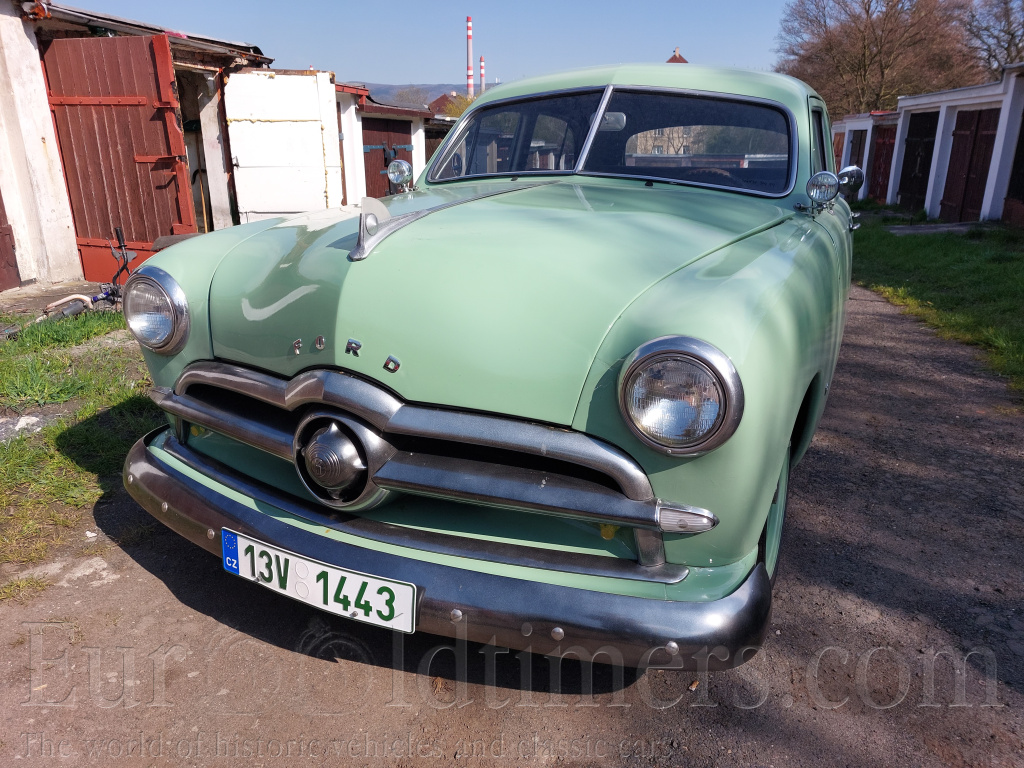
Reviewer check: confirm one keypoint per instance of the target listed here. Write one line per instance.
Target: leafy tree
(860, 55)
(457, 105)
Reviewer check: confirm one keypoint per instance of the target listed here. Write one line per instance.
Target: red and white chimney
(469, 56)
(483, 79)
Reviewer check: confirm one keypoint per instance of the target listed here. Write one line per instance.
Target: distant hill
(386, 92)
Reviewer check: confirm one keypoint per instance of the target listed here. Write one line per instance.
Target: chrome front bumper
(495, 609)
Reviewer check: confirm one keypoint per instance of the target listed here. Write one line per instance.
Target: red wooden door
(384, 141)
(881, 163)
(115, 110)
(9, 275)
(974, 137)
(837, 148)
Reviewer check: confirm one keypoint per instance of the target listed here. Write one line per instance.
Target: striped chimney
(483, 80)
(469, 56)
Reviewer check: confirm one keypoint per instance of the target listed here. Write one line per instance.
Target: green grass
(48, 478)
(68, 332)
(970, 286)
(21, 589)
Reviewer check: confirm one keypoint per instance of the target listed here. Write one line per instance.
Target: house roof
(46, 11)
(437, 105)
(376, 106)
(676, 58)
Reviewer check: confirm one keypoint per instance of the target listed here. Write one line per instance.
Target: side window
(552, 146)
(820, 160)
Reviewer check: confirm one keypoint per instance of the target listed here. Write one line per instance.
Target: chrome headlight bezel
(176, 301)
(704, 355)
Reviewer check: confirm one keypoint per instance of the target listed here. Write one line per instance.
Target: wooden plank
(129, 207)
(108, 208)
(131, 133)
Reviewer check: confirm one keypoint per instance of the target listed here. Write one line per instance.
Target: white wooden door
(283, 132)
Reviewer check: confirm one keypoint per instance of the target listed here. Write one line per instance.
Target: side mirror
(851, 179)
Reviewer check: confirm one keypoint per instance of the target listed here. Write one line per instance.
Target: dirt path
(902, 554)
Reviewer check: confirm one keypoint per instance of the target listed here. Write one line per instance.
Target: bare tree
(860, 55)
(411, 95)
(996, 30)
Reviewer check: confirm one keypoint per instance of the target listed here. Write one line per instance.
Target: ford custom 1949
(546, 396)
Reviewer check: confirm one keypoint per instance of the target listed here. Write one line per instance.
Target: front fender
(770, 303)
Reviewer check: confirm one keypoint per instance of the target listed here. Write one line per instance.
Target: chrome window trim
(179, 304)
(592, 134)
(454, 135)
(708, 356)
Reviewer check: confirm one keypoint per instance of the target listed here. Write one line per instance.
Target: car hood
(497, 303)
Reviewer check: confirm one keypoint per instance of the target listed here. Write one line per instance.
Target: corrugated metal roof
(39, 11)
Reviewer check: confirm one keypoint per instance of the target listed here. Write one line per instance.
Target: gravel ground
(896, 634)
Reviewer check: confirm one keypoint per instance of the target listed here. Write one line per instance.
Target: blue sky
(423, 42)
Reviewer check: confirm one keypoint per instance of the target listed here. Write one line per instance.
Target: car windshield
(643, 133)
(536, 136)
(698, 139)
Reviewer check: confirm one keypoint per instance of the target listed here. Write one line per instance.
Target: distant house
(127, 124)
(957, 155)
(676, 58)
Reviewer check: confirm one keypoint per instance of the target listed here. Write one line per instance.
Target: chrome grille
(419, 450)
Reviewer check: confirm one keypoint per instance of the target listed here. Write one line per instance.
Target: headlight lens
(156, 311)
(680, 395)
(399, 172)
(674, 400)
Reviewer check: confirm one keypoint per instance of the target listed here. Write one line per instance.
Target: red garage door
(116, 115)
(881, 164)
(974, 137)
(384, 141)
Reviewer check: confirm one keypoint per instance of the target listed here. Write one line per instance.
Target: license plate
(351, 594)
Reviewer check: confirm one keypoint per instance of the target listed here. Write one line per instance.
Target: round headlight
(680, 395)
(399, 172)
(156, 311)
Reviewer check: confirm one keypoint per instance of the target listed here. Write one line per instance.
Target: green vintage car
(548, 397)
